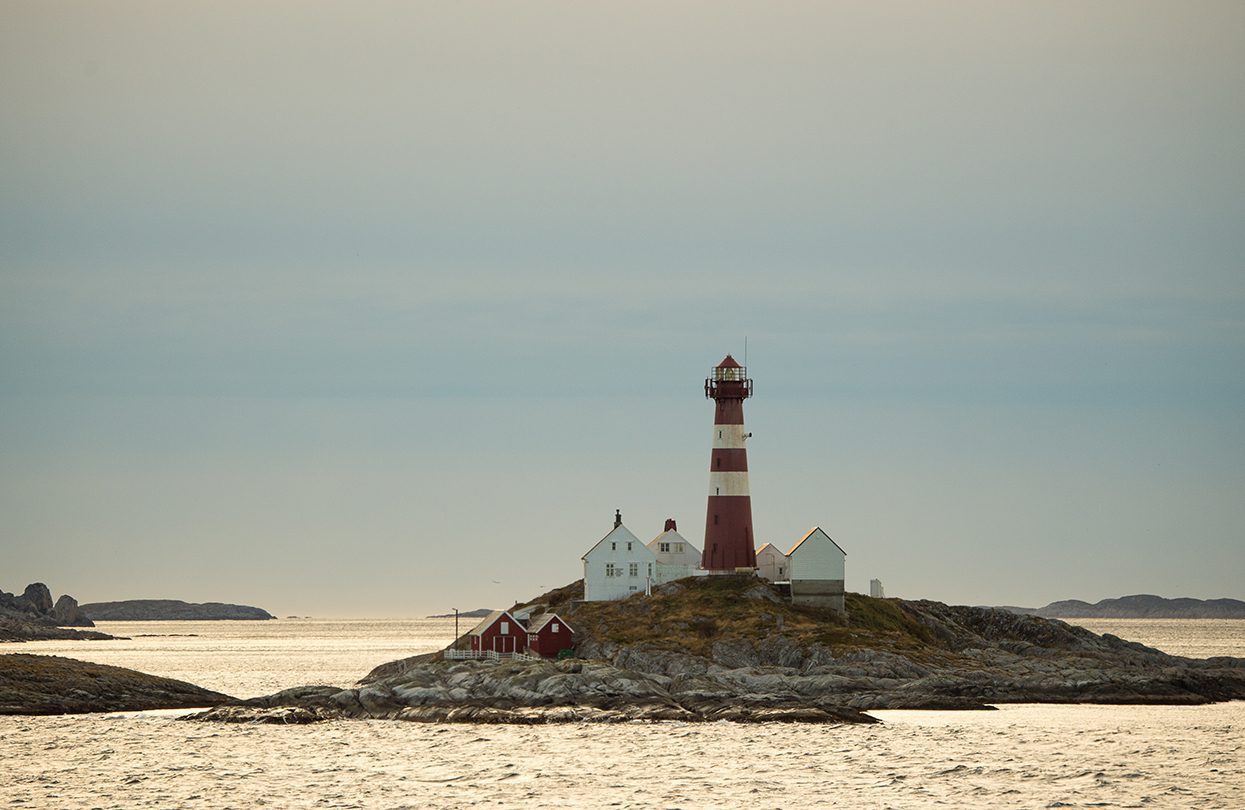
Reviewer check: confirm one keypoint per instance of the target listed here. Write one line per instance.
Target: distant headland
(478, 613)
(1139, 606)
(170, 610)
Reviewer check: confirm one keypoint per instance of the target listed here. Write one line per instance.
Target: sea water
(1018, 756)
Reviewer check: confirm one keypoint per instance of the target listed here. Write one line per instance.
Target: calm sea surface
(1019, 756)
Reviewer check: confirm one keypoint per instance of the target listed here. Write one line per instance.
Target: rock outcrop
(522, 691)
(38, 597)
(731, 648)
(68, 614)
(12, 630)
(34, 617)
(48, 684)
(170, 610)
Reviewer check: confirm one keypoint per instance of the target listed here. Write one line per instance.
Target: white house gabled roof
(619, 534)
(811, 532)
(770, 546)
(488, 620)
(537, 624)
(672, 536)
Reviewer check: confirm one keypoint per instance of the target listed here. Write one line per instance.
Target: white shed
(817, 570)
(676, 557)
(618, 566)
(772, 564)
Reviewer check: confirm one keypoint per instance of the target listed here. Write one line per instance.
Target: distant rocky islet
(33, 616)
(1139, 606)
(478, 613)
(171, 610)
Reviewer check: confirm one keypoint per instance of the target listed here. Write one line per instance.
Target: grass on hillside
(692, 614)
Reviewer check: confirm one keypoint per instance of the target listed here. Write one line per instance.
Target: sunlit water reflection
(1020, 756)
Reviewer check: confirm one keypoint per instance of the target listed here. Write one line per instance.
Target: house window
(780, 572)
(613, 547)
(665, 548)
(554, 627)
(633, 569)
(628, 547)
(650, 570)
(610, 570)
(632, 588)
(678, 548)
(505, 628)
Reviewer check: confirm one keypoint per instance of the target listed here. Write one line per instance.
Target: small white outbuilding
(676, 557)
(618, 566)
(817, 567)
(772, 564)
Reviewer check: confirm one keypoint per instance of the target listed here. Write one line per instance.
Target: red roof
(729, 362)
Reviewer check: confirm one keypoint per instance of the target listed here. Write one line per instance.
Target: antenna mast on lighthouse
(728, 520)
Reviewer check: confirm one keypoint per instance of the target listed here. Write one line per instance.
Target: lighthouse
(728, 521)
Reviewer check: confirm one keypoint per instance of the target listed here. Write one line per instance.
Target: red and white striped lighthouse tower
(728, 522)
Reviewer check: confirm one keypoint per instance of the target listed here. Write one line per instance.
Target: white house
(676, 558)
(772, 564)
(618, 566)
(817, 566)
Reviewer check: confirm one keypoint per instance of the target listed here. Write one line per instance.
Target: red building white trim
(728, 519)
(548, 634)
(498, 632)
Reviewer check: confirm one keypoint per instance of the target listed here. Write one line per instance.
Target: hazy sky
(354, 309)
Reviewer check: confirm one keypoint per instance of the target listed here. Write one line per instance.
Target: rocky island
(733, 648)
(33, 616)
(1140, 606)
(478, 613)
(49, 684)
(171, 610)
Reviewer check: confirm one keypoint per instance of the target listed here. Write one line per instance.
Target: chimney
(670, 527)
(617, 518)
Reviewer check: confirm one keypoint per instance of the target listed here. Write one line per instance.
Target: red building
(548, 635)
(498, 632)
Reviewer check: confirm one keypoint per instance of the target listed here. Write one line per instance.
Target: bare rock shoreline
(533, 692)
(807, 667)
(49, 684)
(719, 648)
(680, 687)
